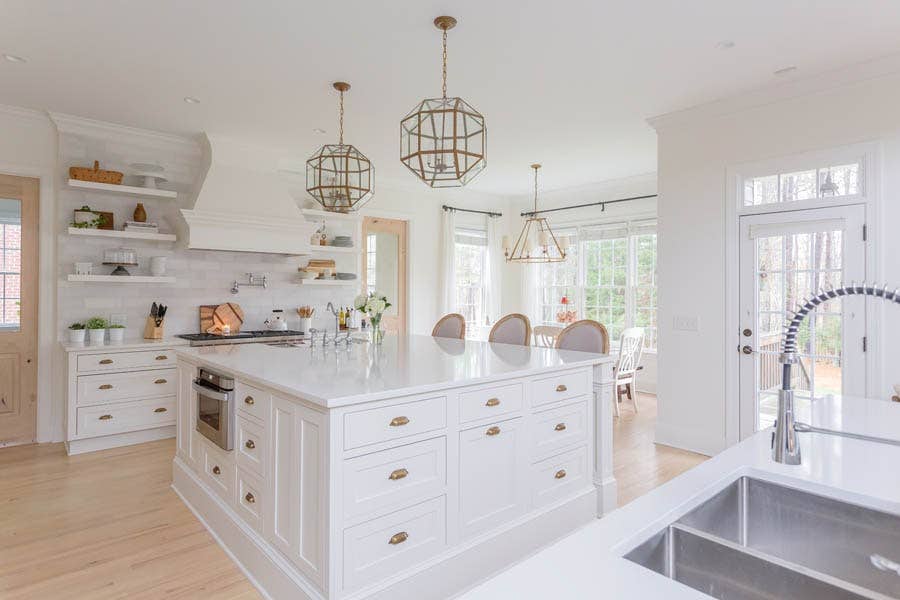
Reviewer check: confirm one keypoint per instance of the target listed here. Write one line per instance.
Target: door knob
(747, 350)
(747, 332)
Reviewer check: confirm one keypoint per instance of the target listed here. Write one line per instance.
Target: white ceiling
(568, 83)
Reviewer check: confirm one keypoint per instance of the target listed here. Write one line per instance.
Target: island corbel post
(604, 480)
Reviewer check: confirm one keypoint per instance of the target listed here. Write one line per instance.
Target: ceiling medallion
(443, 140)
(338, 176)
(536, 242)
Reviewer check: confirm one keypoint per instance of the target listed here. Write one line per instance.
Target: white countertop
(588, 563)
(127, 344)
(361, 373)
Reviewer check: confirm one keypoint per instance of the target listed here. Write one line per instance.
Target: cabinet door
(187, 415)
(491, 475)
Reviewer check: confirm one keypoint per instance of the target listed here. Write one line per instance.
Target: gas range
(243, 337)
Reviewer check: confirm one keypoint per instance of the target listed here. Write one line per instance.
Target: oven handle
(211, 393)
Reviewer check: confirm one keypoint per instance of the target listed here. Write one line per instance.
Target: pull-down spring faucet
(785, 443)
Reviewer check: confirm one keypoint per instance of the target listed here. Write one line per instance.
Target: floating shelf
(115, 233)
(325, 214)
(120, 279)
(328, 281)
(128, 190)
(332, 250)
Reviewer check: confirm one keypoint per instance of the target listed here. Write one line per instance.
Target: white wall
(696, 148)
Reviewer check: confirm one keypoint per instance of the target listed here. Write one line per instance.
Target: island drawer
(558, 428)
(250, 446)
(114, 361)
(126, 416)
(219, 472)
(389, 479)
(560, 387)
(490, 402)
(250, 499)
(394, 422)
(382, 547)
(115, 387)
(251, 401)
(559, 476)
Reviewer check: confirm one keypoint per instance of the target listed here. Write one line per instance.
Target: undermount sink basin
(756, 540)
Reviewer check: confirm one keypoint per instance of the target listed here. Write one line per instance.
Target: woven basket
(97, 175)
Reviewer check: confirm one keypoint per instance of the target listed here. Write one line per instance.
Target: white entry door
(784, 258)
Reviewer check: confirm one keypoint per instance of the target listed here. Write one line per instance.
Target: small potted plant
(116, 332)
(76, 333)
(96, 327)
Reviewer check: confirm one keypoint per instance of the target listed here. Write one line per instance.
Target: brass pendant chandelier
(443, 139)
(338, 176)
(536, 242)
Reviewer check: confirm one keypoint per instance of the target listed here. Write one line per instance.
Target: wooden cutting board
(214, 317)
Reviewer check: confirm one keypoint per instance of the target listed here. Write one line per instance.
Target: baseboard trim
(688, 438)
(119, 439)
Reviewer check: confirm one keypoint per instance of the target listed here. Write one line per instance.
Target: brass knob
(106, 361)
(493, 402)
(249, 400)
(493, 431)
(216, 470)
(106, 386)
(105, 417)
(160, 381)
(250, 498)
(560, 474)
(561, 387)
(162, 357)
(398, 474)
(560, 427)
(399, 421)
(250, 444)
(160, 410)
(398, 538)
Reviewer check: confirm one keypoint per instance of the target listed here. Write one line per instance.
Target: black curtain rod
(472, 210)
(602, 203)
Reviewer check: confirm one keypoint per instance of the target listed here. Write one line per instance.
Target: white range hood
(243, 204)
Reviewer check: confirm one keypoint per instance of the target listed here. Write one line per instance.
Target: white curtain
(448, 262)
(493, 274)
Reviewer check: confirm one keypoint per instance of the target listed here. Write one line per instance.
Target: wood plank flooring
(106, 525)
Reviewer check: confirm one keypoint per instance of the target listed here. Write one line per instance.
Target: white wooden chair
(586, 336)
(545, 335)
(450, 326)
(631, 348)
(514, 328)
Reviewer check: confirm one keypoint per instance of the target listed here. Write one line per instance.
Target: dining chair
(514, 328)
(631, 348)
(450, 326)
(585, 335)
(545, 335)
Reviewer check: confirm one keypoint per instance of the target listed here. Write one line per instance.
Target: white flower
(375, 306)
(360, 302)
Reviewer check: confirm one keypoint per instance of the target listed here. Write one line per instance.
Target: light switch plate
(687, 323)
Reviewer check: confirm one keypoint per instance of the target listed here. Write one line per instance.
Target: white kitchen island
(413, 470)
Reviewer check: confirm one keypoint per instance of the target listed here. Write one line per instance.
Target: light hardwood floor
(107, 525)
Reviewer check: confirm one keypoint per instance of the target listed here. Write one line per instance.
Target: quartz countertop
(127, 344)
(589, 563)
(363, 372)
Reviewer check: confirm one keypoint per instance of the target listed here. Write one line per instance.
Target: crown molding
(72, 124)
(24, 113)
(885, 66)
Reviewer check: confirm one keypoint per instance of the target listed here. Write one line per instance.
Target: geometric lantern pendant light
(536, 243)
(442, 140)
(338, 176)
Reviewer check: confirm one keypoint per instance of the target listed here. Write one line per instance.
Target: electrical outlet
(687, 323)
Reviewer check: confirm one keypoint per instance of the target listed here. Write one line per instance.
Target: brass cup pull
(106, 361)
(250, 444)
(560, 474)
(216, 470)
(493, 402)
(162, 357)
(105, 417)
(160, 381)
(493, 431)
(398, 538)
(249, 400)
(560, 427)
(160, 410)
(398, 474)
(399, 421)
(105, 386)
(561, 387)
(250, 498)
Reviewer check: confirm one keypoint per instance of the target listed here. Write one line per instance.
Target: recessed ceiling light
(319, 131)
(785, 70)
(725, 45)
(13, 58)
(191, 100)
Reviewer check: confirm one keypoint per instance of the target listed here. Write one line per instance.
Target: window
(10, 273)
(820, 182)
(470, 253)
(609, 276)
(371, 271)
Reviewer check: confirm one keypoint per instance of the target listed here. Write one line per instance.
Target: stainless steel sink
(756, 539)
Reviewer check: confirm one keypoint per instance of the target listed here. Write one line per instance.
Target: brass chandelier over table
(536, 243)
(338, 176)
(443, 139)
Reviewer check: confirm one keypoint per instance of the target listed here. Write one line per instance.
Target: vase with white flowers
(373, 305)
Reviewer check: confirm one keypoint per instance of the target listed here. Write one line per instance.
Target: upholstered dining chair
(585, 335)
(545, 335)
(514, 328)
(631, 347)
(450, 326)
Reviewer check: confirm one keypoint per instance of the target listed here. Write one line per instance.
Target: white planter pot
(96, 336)
(76, 336)
(116, 334)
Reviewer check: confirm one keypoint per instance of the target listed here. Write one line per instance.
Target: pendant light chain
(341, 134)
(535, 188)
(444, 67)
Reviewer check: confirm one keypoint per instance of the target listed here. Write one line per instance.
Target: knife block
(151, 331)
